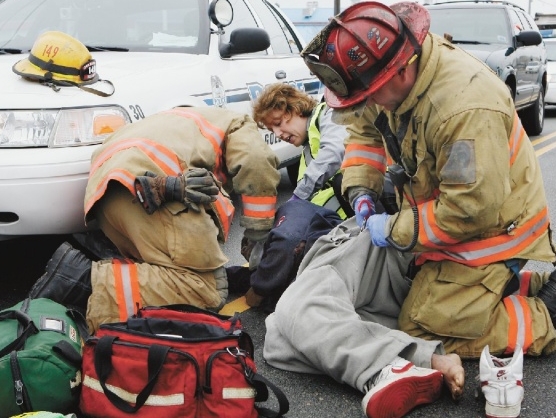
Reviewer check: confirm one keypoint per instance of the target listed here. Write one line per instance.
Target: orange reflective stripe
(211, 132)
(163, 157)
(516, 138)
(120, 175)
(225, 212)
(491, 250)
(357, 154)
(430, 234)
(126, 283)
(520, 329)
(525, 282)
(259, 206)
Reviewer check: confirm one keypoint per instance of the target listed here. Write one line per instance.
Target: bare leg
(454, 374)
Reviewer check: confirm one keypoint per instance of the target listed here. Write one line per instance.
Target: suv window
(467, 26)
(282, 40)
(243, 18)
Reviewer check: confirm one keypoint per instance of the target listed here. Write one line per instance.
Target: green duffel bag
(40, 358)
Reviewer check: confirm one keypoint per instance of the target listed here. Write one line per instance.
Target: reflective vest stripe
(120, 175)
(126, 283)
(212, 133)
(520, 331)
(357, 154)
(259, 207)
(488, 250)
(163, 157)
(516, 138)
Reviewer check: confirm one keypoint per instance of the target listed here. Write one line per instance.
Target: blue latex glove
(376, 225)
(363, 206)
(294, 197)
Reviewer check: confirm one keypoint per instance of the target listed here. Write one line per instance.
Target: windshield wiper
(10, 51)
(461, 41)
(106, 48)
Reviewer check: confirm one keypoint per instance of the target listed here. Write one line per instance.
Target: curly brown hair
(282, 96)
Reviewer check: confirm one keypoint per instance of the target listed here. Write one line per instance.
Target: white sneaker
(400, 387)
(501, 383)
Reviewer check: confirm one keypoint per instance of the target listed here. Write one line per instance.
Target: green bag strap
(29, 328)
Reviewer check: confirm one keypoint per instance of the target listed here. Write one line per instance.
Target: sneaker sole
(396, 400)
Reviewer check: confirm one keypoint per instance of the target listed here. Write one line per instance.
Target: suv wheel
(533, 117)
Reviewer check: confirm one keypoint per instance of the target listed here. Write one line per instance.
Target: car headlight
(59, 127)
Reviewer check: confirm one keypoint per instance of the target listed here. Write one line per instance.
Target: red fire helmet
(365, 46)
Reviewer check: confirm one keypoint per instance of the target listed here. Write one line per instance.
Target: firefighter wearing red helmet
(473, 211)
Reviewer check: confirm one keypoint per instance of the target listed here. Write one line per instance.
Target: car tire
(293, 170)
(533, 117)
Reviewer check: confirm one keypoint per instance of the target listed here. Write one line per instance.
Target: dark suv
(507, 39)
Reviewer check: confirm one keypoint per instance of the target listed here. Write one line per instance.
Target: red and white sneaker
(400, 387)
(501, 383)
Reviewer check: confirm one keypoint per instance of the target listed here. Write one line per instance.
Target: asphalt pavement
(310, 396)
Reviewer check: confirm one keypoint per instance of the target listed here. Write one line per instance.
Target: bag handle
(103, 367)
(29, 328)
(261, 385)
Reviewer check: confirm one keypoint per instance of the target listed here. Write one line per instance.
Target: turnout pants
(338, 317)
(466, 308)
(172, 256)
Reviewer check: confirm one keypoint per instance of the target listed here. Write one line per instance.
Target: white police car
(157, 54)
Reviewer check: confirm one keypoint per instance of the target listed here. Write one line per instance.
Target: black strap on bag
(29, 328)
(103, 367)
(261, 385)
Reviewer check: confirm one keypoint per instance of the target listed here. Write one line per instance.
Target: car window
(134, 25)
(471, 25)
(525, 21)
(282, 39)
(517, 24)
(243, 18)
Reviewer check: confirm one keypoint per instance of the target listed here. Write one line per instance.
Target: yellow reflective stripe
(238, 393)
(153, 400)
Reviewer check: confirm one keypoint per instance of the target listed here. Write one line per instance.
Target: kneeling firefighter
(159, 190)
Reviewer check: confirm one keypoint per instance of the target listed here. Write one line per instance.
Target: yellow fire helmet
(59, 59)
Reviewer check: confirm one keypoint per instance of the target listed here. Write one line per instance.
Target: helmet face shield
(329, 77)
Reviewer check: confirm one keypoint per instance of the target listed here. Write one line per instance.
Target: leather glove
(252, 299)
(197, 186)
(377, 224)
(363, 206)
(201, 188)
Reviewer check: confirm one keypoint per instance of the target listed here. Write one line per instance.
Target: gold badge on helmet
(58, 59)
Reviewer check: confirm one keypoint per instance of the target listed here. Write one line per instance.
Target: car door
(281, 62)
(525, 70)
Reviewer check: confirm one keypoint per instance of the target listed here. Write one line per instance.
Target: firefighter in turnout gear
(447, 268)
(159, 190)
(297, 118)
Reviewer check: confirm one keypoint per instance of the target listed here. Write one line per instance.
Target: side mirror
(529, 38)
(245, 41)
(221, 13)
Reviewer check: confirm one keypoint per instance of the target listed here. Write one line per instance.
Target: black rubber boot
(548, 295)
(67, 279)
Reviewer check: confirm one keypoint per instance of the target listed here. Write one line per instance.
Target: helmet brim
(416, 18)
